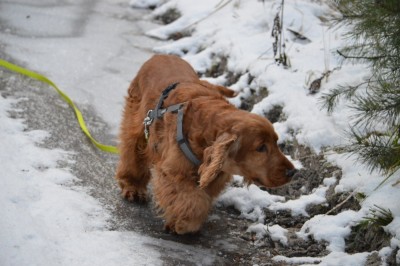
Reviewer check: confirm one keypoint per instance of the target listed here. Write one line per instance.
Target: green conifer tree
(374, 38)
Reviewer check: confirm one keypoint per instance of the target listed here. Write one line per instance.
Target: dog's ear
(214, 158)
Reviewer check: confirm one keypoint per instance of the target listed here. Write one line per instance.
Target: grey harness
(159, 112)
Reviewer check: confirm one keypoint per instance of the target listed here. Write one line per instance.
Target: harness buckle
(148, 120)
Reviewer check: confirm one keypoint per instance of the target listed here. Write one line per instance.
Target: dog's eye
(262, 148)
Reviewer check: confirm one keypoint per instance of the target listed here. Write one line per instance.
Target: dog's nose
(291, 172)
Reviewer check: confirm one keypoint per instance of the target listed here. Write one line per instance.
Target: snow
(144, 3)
(45, 220)
(334, 258)
(250, 201)
(297, 260)
(331, 228)
(298, 206)
(99, 75)
(276, 232)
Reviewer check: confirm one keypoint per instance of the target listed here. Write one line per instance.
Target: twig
(326, 49)
(341, 203)
(209, 15)
(281, 37)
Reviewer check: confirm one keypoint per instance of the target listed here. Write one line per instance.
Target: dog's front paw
(170, 228)
(134, 194)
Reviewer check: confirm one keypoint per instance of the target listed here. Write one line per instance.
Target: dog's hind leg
(132, 171)
(181, 203)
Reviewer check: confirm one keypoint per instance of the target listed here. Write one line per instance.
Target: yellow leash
(78, 113)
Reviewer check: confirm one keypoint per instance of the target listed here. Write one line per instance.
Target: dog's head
(249, 149)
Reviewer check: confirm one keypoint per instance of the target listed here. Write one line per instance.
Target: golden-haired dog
(227, 141)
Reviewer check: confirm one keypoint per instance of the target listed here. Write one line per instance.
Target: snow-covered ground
(45, 220)
(241, 31)
(97, 69)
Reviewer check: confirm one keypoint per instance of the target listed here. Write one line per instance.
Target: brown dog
(226, 140)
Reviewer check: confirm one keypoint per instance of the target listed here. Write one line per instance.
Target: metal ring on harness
(159, 112)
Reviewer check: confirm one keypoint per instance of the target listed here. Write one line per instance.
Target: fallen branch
(341, 203)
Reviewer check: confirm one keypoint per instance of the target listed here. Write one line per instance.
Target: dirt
(367, 239)
(316, 169)
(169, 16)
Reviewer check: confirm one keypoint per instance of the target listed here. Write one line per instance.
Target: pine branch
(360, 57)
(331, 99)
(375, 36)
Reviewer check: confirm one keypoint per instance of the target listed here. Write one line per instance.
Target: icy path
(91, 49)
(59, 204)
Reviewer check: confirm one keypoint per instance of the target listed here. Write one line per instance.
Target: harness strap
(159, 112)
(182, 141)
(164, 95)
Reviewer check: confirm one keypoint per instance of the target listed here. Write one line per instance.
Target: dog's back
(159, 72)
